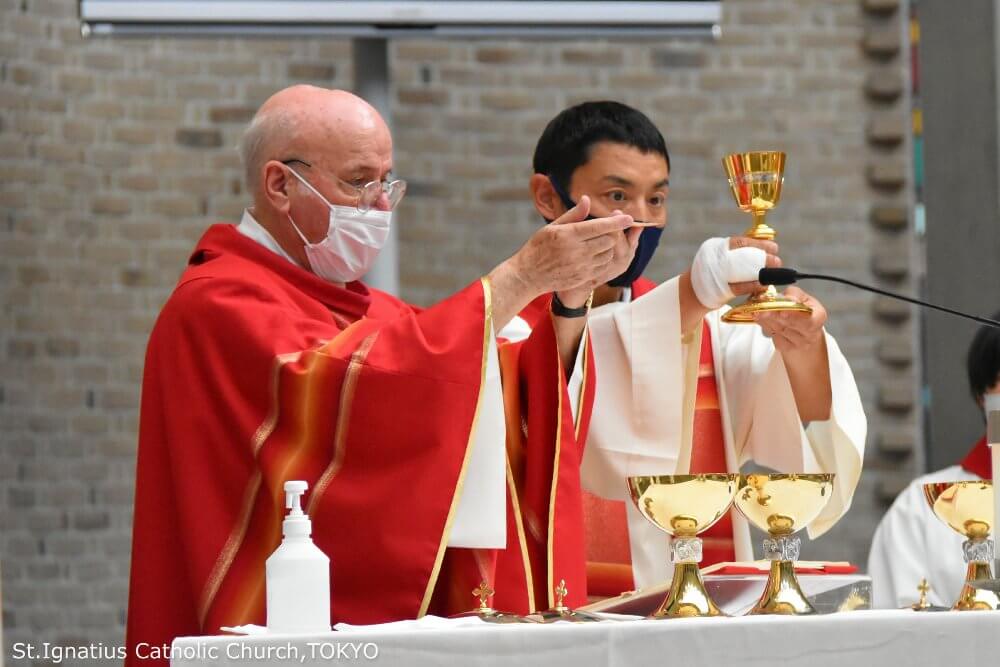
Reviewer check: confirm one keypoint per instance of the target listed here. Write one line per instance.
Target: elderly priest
(271, 361)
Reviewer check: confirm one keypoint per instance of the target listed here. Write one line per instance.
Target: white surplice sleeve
(637, 423)
(765, 422)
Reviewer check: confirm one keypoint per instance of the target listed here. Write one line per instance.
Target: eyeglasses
(368, 194)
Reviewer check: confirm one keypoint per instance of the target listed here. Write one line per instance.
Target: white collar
(252, 229)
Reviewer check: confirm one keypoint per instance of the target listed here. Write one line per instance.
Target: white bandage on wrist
(716, 266)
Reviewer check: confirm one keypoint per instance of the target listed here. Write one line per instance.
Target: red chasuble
(544, 450)
(258, 372)
(609, 557)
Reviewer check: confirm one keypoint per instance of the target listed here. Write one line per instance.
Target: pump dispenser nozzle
(296, 524)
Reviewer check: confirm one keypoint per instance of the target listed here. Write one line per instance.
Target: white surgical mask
(991, 402)
(353, 240)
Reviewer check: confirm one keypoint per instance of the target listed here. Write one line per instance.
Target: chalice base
(768, 301)
(977, 599)
(687, 596)
(782, 594)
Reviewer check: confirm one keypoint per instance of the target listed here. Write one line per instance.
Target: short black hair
(983, 359)
(567, 140)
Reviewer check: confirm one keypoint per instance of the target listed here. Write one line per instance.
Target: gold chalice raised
(967, 507)
(755, 179)
(683, 506)
(783, 504)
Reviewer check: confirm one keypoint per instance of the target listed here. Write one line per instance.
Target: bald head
(316, 125)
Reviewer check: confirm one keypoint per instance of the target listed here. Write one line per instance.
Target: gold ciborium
(967, 507)
(781, 505)
(755, 179)
(683, 506)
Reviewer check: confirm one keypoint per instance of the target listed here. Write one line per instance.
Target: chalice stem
(759, 229)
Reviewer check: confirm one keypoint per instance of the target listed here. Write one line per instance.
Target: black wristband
(562, 310)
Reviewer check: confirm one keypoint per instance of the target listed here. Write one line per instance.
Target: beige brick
(78, 131)
(24, 75)
(231, 114)
(104, 60)
(175, 206)
(890, 216)
(503, 55)
(423, 96)
(139, 182)
(880, 6)
(312, 71)
(234, 68)
(111, 205)
(102, 109)
(199, 90)
(887, 174)
(885, 85)
(158, 111)
(508, 101)
(199, 137)
(883, 43)
(75, 83)
(135, 135)
(175, 66)
(423, 51)
(593, 57)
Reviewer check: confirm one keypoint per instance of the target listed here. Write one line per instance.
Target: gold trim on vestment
(238, 532)
(521, 538)
(555, 479)
(343, 422)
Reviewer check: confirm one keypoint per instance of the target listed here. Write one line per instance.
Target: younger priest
(678, 390)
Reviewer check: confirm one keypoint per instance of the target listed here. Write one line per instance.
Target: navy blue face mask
(649, 238)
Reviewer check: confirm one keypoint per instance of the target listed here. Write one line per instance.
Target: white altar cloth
(878, 637)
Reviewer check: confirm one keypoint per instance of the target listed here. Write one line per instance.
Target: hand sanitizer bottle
(297, 574)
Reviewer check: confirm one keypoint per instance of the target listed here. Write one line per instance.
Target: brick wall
(114, 156)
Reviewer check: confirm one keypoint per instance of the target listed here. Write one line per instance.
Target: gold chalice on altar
(781, 505)
(755, 179)
(683, 506)
(967, 507)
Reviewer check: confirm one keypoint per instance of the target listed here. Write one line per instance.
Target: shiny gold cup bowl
(781, 505)
(967, 507)
(683, 506)
(755, 179)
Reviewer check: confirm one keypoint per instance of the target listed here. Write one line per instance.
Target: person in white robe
(911, 544)
(787, 395)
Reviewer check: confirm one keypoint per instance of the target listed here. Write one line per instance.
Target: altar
(880, 637)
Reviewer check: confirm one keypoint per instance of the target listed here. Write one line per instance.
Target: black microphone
(784, 276)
